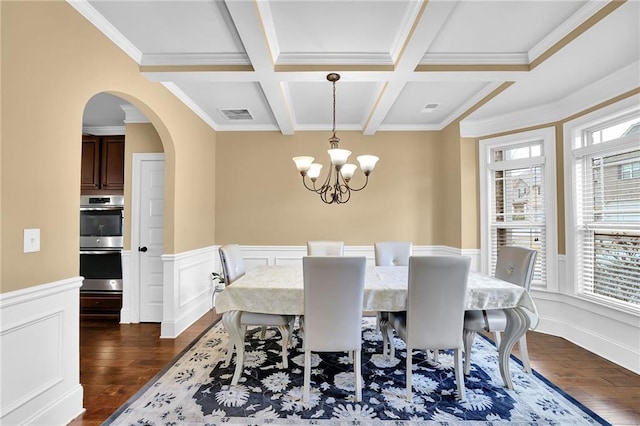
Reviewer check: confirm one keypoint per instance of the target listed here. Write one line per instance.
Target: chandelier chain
(334, 109)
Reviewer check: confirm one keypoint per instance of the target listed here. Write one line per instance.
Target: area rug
(194, 390)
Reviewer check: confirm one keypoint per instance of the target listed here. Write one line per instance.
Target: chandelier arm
(314, 189)
(362, 187)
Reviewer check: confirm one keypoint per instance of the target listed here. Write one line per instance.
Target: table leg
(231, 321)
(518, 323)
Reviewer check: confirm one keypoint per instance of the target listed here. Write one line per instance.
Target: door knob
(142, 249)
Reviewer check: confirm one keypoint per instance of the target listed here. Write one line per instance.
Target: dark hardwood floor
(117, 360)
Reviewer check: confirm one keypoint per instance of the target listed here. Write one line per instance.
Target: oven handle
(90, 209)
(105, 251)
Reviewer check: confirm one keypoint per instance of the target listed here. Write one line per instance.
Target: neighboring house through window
(602, 162)
(518, 199)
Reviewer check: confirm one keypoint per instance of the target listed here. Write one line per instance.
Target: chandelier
(335, 188)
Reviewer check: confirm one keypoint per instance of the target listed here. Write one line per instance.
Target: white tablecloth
(279, 290)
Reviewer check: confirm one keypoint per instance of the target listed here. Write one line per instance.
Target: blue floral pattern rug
(195, 389)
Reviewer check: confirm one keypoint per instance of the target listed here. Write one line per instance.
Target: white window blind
(518, 209)
(607, 183)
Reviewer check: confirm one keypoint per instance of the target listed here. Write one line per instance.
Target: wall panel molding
(39, 343)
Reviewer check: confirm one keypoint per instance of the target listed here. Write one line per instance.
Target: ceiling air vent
(430, 107)
(236, 114)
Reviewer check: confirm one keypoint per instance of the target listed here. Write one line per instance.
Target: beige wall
(261, 199)
(448, 174)
(53, 62)
(469, 194)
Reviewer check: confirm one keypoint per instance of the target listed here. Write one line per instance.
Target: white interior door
(150, 237)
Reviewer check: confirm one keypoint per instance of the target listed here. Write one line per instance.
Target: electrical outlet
(31, 240)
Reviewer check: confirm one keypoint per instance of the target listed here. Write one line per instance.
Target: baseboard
(57, 413)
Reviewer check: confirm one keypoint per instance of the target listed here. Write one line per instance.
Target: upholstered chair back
(232, 262)
(333, 297)
(393, 253)
(325, 248)
(435, 301)
(515, 264)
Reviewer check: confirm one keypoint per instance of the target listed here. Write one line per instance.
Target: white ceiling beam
(249, 25)
(424, 31)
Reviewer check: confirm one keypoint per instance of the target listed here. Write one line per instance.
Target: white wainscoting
(610, 333)
(40, 353)
(187, 288)
(292, 255)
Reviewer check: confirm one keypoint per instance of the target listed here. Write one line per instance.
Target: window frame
(548, 161)
(572, 130)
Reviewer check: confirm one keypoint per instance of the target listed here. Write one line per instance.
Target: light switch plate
(31, 240)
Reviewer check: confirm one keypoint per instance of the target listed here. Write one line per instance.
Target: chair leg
(358, 371)
(263, 332)
(284, 332)
(307, 376)
(435, 355)
(467, 338)
(497, 339)
(392, 348)
(385, 340)
(409, 365)
(524, 353)
(459, 376)
(230, 348)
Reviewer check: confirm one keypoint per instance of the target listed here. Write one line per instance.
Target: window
(630, 170)
(517, 198)
(605, 179)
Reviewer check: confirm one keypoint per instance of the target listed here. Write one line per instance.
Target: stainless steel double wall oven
(101, 242)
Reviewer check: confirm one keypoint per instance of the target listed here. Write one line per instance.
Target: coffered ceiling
(404, 64)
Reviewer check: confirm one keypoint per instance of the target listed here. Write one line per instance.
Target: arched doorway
(111, 121)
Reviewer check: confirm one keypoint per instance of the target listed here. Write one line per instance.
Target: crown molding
(133, 114)
(475, 59)
(103, 130)
(93, 16)
(327, 128)
(624, 80)
(332, 58)
(410, 127)
(177, 59)
(247, 128)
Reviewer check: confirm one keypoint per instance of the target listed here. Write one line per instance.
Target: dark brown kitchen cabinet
(100, 306)
(102, 165)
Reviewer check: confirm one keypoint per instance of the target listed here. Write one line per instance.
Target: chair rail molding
(292, 255)
(40, 341)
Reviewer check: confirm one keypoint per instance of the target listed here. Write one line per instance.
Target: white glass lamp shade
(339, 156)
(303, 163)
(314, 171)
(367, 163)
(347, 171)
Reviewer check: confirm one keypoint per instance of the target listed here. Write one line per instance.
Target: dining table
(279, 289)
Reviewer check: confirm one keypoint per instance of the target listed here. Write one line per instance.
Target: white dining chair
(233, 268)
(390, 253)
(325, 248)
(332, 322)
(515, 265)
(435, 311)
